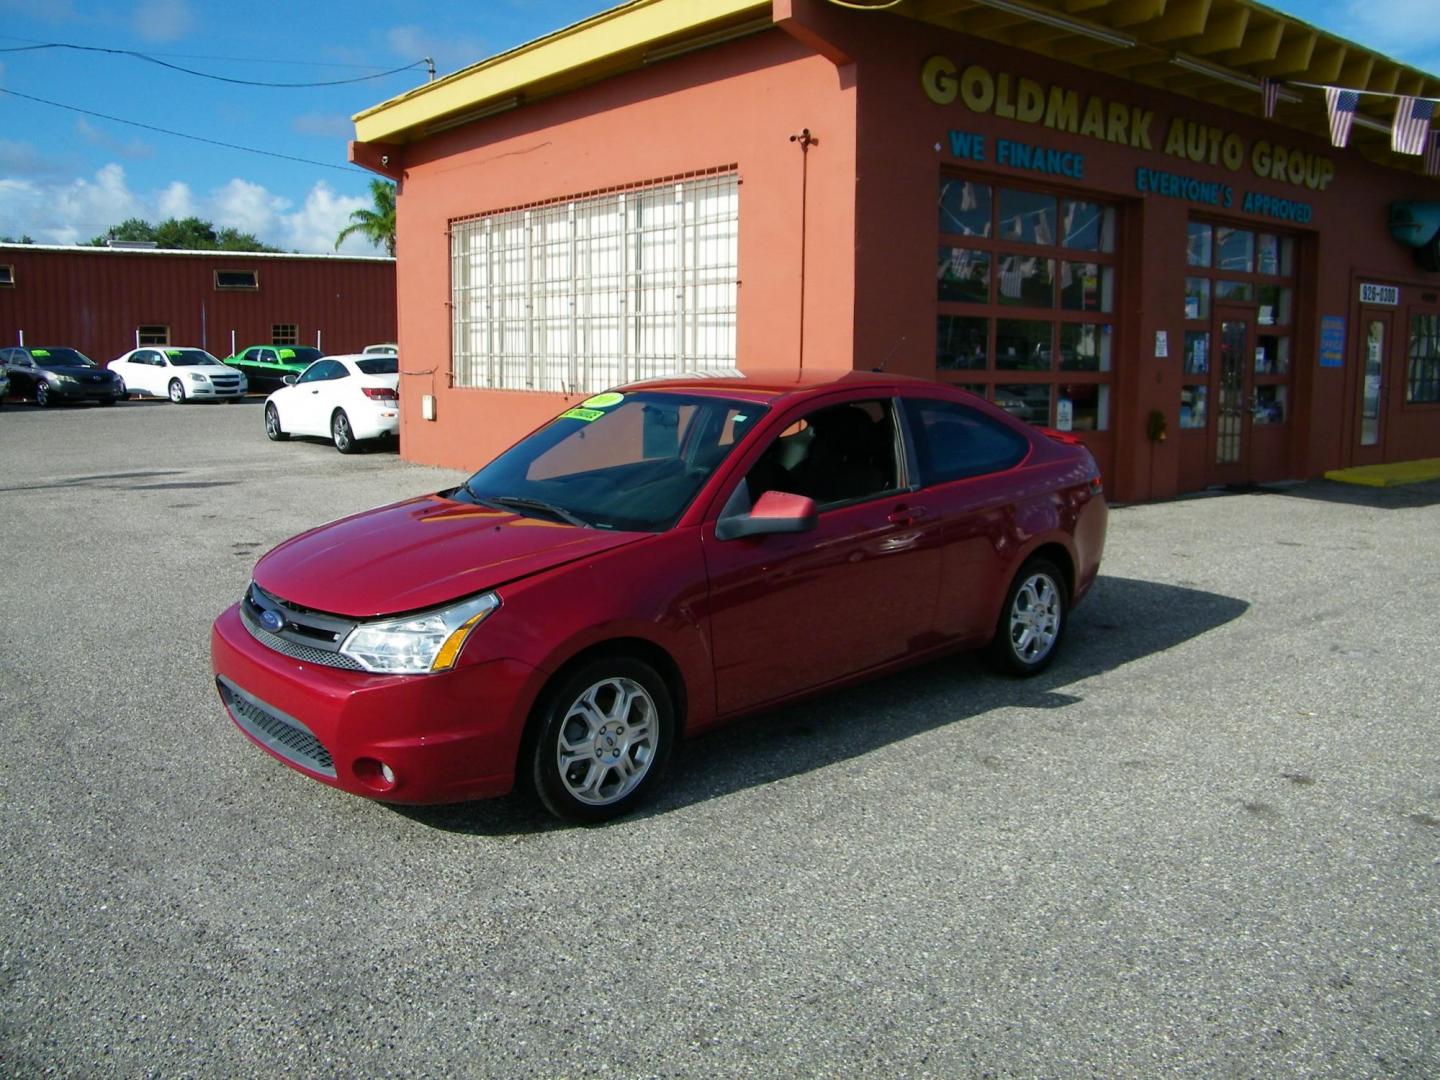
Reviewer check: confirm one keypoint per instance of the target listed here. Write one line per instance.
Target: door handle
(906, 515)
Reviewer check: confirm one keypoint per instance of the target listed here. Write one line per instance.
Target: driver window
(314, 373)
(840, 454)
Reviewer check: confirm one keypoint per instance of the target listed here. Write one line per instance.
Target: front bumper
(209, 391)
(446, 738)
(85, 391)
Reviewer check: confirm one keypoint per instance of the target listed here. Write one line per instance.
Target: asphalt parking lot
(1205, 843)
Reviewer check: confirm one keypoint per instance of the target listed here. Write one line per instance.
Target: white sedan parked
(180, 374)
(346, 399)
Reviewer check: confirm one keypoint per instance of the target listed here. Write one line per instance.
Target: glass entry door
(1375, 343)
(1233, 389)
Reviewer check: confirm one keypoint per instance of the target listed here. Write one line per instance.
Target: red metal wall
(93, 300)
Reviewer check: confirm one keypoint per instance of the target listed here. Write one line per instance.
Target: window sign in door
(1370, 396)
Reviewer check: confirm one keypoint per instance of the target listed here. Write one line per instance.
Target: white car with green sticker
(180, 374)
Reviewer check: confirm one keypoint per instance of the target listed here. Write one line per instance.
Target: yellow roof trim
(589, 44)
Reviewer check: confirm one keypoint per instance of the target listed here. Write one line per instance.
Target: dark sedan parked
(51, 374)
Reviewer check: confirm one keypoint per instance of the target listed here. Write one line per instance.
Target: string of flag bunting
(1410, 131)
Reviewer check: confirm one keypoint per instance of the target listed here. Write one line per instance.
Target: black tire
(1032, 621)
(613, 767)
(124, 394)
(109, 400)
(177, 392)
(341, 433)
(43, 397)
(273, 430)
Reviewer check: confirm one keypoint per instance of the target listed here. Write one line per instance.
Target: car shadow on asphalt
(1122, 620)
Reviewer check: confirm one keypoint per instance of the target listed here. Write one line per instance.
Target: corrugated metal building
(104, 301)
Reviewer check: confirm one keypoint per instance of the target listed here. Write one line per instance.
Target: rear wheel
(177, 392)
(272, 424)
(602, 739)
(1032, 620)
(342, 434)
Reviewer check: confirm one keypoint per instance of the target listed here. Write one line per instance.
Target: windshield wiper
(522, 503)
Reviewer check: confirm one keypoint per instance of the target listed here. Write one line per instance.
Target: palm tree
(377, 225)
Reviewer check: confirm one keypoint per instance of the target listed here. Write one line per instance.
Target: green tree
(376, 225)
(188, 234)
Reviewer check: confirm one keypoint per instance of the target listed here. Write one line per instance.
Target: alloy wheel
(607, 741)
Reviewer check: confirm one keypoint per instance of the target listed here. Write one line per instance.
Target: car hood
(76, 370)
(419, 554)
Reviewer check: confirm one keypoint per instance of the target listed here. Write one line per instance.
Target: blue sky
(66, 176)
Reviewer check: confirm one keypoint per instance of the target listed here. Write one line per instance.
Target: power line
(181, 134)
(229, 59)
(205, 74)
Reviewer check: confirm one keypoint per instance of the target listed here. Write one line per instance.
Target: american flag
(1342, 104)
(1432, 155)
(1270, 94)
(1412, 121)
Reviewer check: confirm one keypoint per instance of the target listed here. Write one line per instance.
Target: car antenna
(881, 366)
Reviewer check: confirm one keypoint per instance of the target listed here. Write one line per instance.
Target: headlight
(421, 643)
(195, 376)
(62, 380)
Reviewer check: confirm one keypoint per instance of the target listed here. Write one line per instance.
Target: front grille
(268, 726)
(226, 382)
(305, 635)
(296, 651)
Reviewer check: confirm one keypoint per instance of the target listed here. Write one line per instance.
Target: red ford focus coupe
(655, 561)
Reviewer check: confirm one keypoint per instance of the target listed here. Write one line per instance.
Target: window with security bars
(584, 294)
(1025, 284)
(284, 334)
(1422, 383)
(152, 335)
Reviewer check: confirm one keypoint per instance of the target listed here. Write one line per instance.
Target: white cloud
(20, 159)
(163, 20)
(176, 201)
(73, 211)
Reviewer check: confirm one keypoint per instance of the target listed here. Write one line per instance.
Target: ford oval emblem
(272, 621)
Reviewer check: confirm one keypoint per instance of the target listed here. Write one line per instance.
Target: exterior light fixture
(1063, 22)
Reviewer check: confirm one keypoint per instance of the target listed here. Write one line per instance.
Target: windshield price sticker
(602, 401)
(1371, 293)
(586, 415)
(172, 352)
(39, 352)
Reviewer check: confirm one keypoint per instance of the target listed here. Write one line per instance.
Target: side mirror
(289, 380)
(773, 512)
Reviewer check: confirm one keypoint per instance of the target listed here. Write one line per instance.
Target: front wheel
(177, 392)
(43, 397)
(602, 739)
(1032, 620)
(342, 434)
(123, 394)
(273, 430)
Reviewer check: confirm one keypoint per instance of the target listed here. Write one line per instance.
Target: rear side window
(954, 441)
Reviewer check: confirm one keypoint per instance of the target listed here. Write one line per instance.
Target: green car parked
(267, 365)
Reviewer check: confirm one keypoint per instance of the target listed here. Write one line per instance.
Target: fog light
(375, 775)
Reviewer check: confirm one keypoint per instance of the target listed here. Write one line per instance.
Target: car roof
(766, 384)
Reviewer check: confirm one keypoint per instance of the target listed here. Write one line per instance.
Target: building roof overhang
(1214, 51)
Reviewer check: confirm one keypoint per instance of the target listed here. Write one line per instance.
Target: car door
(792, 612)
(966, 461)
(22, 372)
(308, 410)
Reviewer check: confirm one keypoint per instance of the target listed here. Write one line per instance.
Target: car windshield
(379, 365)
(57, 358)
(190, 357)
(616, 461)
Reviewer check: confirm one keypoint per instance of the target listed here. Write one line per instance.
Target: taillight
(380, 393)
(1097, 484)
(1063, 437)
